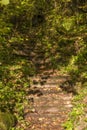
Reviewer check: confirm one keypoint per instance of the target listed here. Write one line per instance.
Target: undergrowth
(15, 83)
(77, 115)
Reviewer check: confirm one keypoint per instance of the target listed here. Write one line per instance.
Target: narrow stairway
(50, 105)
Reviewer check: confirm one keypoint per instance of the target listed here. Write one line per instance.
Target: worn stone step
(48, 116)
(46, 86)
(43, 117)
(45, 92)
(53, 83)
(56, 103)
(57, 78)
(46, 99)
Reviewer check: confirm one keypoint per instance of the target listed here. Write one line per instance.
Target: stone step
(46, 86)
(48, 116)
(48, 105)
(56, 91)
(47, 100)
(58, 77)
(53, 83)
(44, 93)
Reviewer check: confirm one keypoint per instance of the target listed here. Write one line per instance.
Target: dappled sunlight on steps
(51, 105)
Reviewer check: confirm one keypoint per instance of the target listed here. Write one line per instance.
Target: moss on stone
(7, 120)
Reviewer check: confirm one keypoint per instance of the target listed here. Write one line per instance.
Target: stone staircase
(50, 105)
(35, 54)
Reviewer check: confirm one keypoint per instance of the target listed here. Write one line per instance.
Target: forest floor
(50, 105)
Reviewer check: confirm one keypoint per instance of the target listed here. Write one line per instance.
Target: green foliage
(7, 120)
(69, 23)
(4, 2)
(77, 113)
(57, 29)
